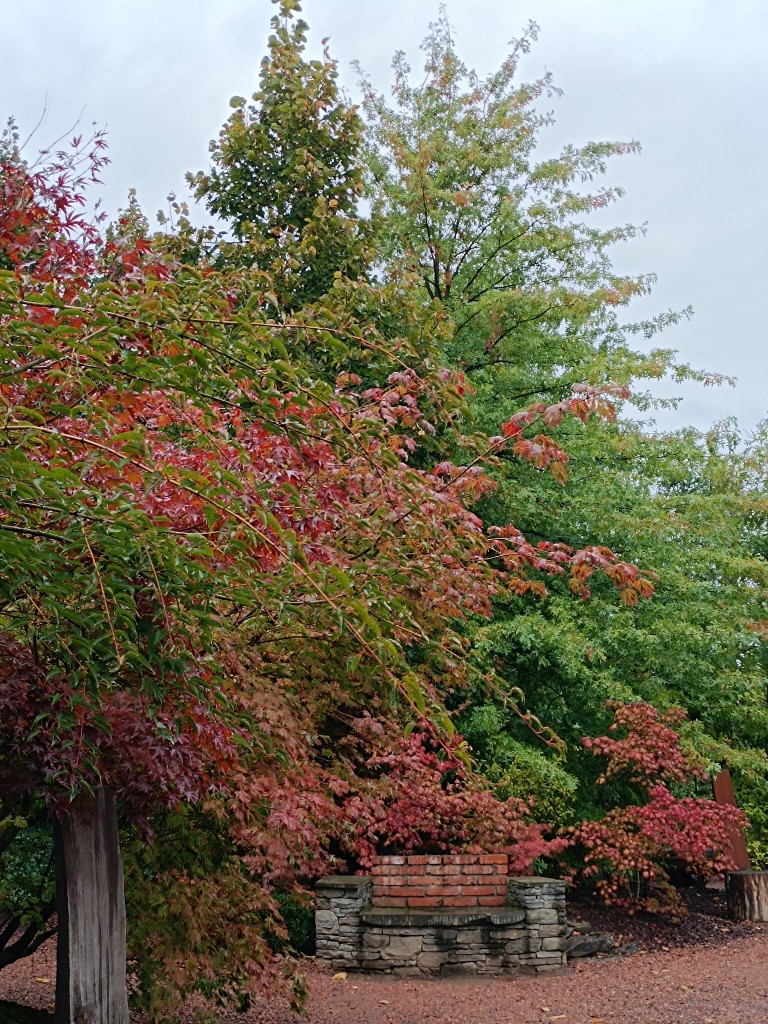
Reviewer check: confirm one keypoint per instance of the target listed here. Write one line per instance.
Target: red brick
(423, 901)
(479, 890)
(443, 869)
(460, 901)
(477, 869)
(491, 901)
(442, 890)
(390, 859)
(395, 871)
(417, 858)
(415, 878)
(493, 858)
(407, 890)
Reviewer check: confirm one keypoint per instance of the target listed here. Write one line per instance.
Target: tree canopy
(327, 528)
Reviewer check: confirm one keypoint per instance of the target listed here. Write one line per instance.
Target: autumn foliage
(629, 853)
(212, 560)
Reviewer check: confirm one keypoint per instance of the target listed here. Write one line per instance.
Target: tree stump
(747, 895)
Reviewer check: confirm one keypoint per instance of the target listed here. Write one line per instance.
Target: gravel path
(715, 973)
(692, 986)
(695, 985)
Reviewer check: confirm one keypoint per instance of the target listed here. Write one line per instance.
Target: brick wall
(447, 880)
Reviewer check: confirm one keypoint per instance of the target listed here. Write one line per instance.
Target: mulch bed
(704, 923)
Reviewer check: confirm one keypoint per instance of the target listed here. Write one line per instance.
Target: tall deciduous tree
(501, 242)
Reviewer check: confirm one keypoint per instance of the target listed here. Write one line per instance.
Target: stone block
(403, 947)
(542, 917)
(326, 921)
(376, 965)
(549, 931)
(504, 934)
(515, 947)
(344, 882)
(463, 968)
(430, 961)
(491, 964)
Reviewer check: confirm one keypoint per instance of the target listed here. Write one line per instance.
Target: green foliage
(285, 172)
(499, 239)
(503, 244)
(298, 915)
(695, 643)
(517, 768)
(753, 800)
(198, 919)
(26, 874)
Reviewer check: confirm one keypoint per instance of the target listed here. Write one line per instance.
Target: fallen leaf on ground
(340, 976)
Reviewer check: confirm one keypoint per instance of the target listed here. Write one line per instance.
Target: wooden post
(90, 963)
(747, 895)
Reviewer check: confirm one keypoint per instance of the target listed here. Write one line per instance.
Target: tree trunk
(90, 963)
(748, 895)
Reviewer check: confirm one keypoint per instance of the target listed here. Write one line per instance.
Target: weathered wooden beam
(722, 787)
(90, 963)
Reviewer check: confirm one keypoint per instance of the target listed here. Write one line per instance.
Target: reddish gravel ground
(705, 970)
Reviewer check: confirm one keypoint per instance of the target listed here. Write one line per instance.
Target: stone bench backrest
(450, 880)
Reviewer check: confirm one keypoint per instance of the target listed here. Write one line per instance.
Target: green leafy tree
(285, 173)
(683, 506)
(502, 245)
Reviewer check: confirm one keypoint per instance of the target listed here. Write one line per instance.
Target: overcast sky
(687, 78)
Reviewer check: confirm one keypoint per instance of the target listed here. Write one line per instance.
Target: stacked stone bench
(442, 914)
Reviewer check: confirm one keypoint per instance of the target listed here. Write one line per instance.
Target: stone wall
(543, 901)
(340, 902)
(354, 932)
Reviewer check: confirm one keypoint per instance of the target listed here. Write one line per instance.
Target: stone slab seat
(441, 917)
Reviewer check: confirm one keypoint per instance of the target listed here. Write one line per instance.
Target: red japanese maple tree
(629, 852)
